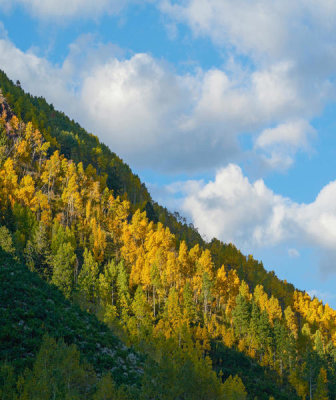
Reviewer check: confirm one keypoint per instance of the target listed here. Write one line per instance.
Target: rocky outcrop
(5, 110)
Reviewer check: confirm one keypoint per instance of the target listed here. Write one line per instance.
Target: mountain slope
(75, 143)
(183, 305)
(31, 308)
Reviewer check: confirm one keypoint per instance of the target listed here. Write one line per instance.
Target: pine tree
(63, 264)
(241, 315)
(265, 333)
(37, 251)
(106, 390)
(107, 283)
(7, 382)
(88, 277)
(57, 374)
(234, 389)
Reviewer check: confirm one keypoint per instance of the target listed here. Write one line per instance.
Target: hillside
(193, 309)
(31, 308)
(75, 143)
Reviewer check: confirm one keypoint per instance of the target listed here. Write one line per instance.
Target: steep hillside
(75, 143)
(30, 308)
(189, 308)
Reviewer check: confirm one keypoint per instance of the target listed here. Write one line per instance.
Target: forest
(107, 295)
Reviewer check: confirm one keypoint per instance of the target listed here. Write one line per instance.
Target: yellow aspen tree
(233, 290)
(137, 267)
(42, 207)
(260, 297)
(245, 291)
(50, 173)
(221, 288)
(228, 336)
(25, 192)
(8, 183)
(70, 196)
(98, 240)
(194, 255)
(291, 321)
(273, 309)
(115, 220)
(183, 259)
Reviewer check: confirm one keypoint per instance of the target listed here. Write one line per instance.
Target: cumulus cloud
(251, 215)
(292, 49)
(36, 73)
(262, 29)
(278, 145)
(272, 34)
(293, 134)
(155, 117)
(149, 114)
(59, 9)
(235, 210)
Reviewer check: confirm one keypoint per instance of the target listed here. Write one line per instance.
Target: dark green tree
(63, 268)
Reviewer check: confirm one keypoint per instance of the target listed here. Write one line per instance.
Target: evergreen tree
(241, 315)
(234, 389)
(106, 390)
(37, 251)
(7, 382)
(265, 336)
(88, 277)
(63, 264)
(57, 374)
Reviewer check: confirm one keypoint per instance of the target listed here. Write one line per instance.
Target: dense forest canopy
(205, 321)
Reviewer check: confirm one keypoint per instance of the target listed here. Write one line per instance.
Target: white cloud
(292, 49)
(278, 145)
(149, 114)
(235, 210)
(262, 29)
(60, 9)
(156, 118)
(272, 34)
(37, 74)
(251, 216)
(293, 134)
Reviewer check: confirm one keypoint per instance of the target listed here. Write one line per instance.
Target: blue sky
(226, 109)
